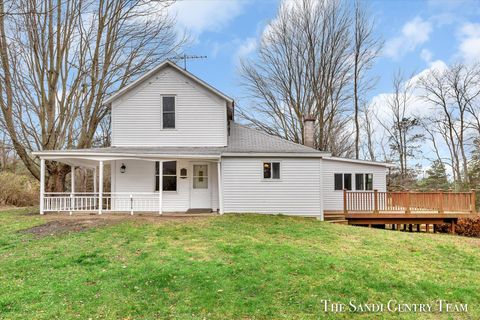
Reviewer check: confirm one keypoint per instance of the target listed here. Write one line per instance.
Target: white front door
(200, 187)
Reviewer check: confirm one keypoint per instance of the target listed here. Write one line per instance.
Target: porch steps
(338, 221)
(335, 217)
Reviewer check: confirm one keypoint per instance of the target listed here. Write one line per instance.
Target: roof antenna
(186, 57)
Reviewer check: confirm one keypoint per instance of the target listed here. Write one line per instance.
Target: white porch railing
(111, 202)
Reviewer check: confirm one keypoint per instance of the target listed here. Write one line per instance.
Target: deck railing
(408, 202)
(90, 201)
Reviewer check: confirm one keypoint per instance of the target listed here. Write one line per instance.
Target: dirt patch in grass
(63, 223)
(57, 227)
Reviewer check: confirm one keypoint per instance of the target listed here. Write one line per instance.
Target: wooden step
(334, 217)
(338, 221)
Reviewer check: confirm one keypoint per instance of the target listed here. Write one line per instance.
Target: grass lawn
(227, 267)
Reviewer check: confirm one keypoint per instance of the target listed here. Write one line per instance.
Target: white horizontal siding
(333, 199)
(140, 177)
(201, 116)
(297, 193)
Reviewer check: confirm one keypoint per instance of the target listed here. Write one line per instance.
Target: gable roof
(165, 64)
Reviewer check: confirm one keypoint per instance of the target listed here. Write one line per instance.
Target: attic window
(168, 112)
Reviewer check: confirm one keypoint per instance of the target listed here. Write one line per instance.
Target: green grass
(228, 267)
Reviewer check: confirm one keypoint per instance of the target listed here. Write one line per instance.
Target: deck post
(407, 211)
(100, 187)
(452, 227)
(472, 202)
(220, 187)
(160, 187)
(441, 200)
(42, 185)
(345, 210)
(427, 228)
(375, 201)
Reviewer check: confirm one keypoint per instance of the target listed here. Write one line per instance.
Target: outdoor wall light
(183, 173)
(123, 168)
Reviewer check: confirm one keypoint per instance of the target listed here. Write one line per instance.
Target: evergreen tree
(474, 166)
(436, 178)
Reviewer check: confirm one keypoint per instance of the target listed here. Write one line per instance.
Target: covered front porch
(156, 183)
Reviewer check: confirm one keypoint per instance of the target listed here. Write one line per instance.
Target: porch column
(160, 187)
(95, 180)
(100, 187)
(72, 189)
(42, 185)
(220, 187)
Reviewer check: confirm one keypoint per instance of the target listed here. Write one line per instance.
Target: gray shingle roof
(241, 140)
(247, 140)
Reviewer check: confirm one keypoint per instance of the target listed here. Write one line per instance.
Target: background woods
(59, 59)
(315, 59)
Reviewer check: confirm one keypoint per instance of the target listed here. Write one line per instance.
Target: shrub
(469, 227)
(18, 190)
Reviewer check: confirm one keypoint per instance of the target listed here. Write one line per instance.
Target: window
(359, 182)
(271, 170)
(363, 181)
(343, 181)
(369, 181)
(168, 112)
(347, 181)
(169, 176)
(200, 176)
(338, 181)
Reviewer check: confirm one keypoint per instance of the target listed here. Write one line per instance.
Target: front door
(200, 189)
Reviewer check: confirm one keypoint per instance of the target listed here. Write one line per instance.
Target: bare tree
(366, 48)
(59, 59)
(401, 126)
(303, 69)
(369, 132)
(453, 94)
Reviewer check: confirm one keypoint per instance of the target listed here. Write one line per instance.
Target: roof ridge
(164, 63)
(278, 138)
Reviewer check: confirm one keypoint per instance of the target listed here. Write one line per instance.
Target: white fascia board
(273, 154)
(366, 162)
(113, 156)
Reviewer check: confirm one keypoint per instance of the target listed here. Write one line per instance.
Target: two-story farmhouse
(176, 147)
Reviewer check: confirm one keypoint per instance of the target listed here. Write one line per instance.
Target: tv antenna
(186, 57)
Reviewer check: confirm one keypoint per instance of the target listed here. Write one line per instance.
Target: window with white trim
(363, 181)
(168, 112)
(343, 181)
(169, 176)
(271, 170)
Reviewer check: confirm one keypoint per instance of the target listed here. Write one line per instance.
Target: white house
(174, 133)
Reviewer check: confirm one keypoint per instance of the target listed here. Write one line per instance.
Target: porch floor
(183, 214)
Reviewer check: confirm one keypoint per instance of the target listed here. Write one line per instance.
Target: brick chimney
(309, 131)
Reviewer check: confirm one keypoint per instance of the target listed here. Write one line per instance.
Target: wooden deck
(404, 209)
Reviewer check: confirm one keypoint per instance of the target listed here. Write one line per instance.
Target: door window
(200, 176)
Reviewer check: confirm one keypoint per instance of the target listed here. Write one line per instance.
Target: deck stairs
(337, 217)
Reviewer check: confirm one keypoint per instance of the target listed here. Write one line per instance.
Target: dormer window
(168, 112)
